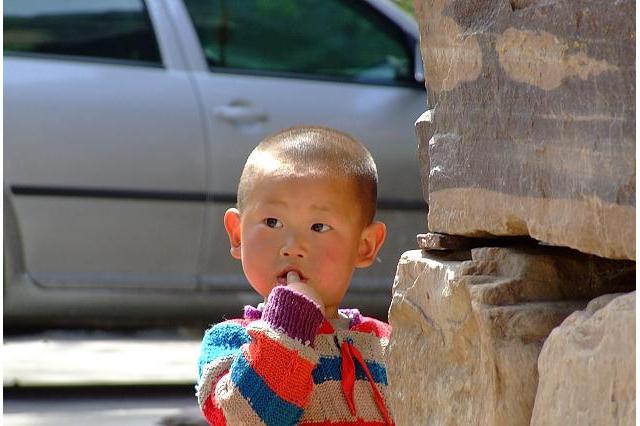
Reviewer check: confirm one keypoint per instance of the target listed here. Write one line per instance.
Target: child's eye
(320, 227)
(272, 222)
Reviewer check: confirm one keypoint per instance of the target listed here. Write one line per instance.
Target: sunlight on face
(312, 225)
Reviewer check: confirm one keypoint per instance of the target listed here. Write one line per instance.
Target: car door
(342, 64)
(104, 147)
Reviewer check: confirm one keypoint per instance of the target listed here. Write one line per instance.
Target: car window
(102, 29)
(329, 38)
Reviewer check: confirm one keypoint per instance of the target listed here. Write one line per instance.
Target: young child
(304, 222)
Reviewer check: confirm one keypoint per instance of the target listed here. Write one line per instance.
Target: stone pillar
(531, 134)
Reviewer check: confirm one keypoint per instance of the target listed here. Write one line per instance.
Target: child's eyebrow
(282, 203)
(321, 207)
(275, 201)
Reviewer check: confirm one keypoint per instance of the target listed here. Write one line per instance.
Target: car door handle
(239, 112)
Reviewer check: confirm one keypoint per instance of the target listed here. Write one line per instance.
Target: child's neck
(331, 312)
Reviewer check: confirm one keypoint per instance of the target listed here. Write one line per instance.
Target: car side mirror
(418, 73)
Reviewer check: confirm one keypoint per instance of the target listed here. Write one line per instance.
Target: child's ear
(232, 225)
(370, 243)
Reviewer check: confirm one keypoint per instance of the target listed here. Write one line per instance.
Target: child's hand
(294, 283)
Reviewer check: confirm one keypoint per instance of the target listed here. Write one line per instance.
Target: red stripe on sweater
(212, 411)
(285, 372)
(372, 325)
(326, 328)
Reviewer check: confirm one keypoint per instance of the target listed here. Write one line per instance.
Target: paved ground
(98, 357)
(98, 378)
(115, 406)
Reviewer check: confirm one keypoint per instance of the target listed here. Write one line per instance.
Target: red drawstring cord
(348, 371)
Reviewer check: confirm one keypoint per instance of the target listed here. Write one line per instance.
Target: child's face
(311, 225)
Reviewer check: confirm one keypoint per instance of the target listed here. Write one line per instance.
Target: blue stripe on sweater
(220, 341)
(329, 369)
(272, 409)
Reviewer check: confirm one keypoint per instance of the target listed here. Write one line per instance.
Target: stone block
(423, 133)
(532, 130)
(435, 241)
(468, 326)
(587, 367)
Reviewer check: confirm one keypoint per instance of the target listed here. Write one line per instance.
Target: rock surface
(587, 367)
(468, 327)
(532, 130)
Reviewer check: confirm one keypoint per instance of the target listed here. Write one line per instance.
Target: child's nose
(292, 247)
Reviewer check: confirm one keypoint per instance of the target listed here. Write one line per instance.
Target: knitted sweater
(286, 364)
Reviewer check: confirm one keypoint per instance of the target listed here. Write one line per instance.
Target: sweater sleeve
(261, 373)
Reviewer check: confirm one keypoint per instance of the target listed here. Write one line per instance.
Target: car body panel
(105, 139)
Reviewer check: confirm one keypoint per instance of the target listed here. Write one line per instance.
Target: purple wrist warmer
(294, 313)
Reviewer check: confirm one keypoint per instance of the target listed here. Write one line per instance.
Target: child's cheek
(253, 235)
(330, 253)
(250, 242)
(256, 264)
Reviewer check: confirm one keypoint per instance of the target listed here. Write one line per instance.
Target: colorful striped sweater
(286, 364)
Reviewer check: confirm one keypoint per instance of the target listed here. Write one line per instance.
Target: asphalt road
(88, 377)
(92, 357)
(101, 406)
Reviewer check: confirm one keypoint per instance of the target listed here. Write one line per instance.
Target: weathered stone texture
(423, 132)
(434, 241)
(587, 367)
(468, 327)
(532, 130)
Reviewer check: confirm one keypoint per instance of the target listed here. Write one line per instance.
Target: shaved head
(310, 151)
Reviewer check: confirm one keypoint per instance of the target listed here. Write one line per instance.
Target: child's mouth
(281, 279)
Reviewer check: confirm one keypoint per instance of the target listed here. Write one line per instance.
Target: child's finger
(293, 277)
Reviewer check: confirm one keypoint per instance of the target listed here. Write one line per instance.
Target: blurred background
(126, 125)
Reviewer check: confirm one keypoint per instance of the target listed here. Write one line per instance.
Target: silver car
(126, 126)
